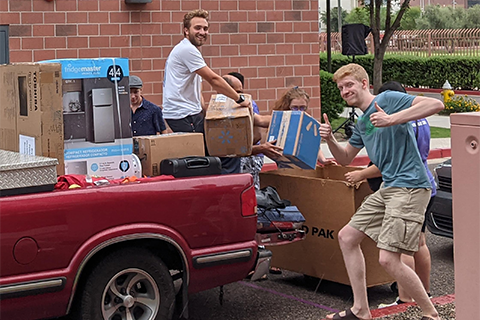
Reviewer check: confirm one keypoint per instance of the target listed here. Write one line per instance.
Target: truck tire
(128, 284)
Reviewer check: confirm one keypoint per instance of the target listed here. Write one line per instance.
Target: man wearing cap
(147, 118)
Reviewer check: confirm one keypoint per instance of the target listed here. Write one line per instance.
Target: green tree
(380, 40)
(437, 17)
(333, 18)
(358, 15)
(409, 20)
(473, 17)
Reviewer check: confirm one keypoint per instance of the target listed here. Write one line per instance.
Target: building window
(4, 49)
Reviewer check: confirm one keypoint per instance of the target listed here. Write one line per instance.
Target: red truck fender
(122, 234)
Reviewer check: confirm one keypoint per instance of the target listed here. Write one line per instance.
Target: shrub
(332, 102)
(460, 104)
(463, 72)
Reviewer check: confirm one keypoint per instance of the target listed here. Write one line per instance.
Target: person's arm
(343, 155)
(359, 175)
(262, 121)
(220, 85)
(321, 158)
(422, 107)
(158, 121)
(269, 149)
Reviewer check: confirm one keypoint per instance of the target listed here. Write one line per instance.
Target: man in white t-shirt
(184, 70)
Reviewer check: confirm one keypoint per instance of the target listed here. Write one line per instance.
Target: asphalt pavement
(293, 296)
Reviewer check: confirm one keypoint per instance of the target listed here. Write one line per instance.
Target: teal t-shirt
(392, 149)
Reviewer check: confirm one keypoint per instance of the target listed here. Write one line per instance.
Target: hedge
(332, 102)
(411, 71)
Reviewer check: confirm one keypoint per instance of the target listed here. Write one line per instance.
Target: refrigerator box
(24, 173)
(228, 127)
(31, 118)
(151, 150)
(96, 115)
(297, 133)
(327, 202)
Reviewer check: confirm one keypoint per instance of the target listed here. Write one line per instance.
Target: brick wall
(273, 43)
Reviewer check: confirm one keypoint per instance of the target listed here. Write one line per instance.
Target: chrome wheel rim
(132, 294)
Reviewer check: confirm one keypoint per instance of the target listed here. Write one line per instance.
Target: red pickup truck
(132, 251)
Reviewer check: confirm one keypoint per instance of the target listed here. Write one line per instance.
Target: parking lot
(293, 296)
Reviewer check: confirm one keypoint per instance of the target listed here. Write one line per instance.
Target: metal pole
(339, 20)
(329, 39)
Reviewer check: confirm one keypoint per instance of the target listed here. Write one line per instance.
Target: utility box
(466, 211)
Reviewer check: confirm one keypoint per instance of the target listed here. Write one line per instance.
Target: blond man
(393, 215)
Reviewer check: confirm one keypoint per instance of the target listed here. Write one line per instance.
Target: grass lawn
(435, 132)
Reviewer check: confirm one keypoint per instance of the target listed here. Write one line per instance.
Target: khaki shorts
(393, 218)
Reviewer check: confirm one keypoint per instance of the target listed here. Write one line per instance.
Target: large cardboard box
(228, 127)
(297, 133)
(31, 120)
(151, 150)
(327, 201)
(96, 115)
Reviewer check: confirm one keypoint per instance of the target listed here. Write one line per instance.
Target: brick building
(274, 43)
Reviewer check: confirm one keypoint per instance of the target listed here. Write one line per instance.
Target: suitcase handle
(194, 162)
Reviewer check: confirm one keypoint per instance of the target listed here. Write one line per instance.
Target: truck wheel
(128, 284)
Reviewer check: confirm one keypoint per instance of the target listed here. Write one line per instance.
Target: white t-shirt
(181, 85)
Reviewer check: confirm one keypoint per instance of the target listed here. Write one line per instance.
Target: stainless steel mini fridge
(103, 119)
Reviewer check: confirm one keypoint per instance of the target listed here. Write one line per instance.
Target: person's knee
(422, 242)
(388, 260)
(348, 237)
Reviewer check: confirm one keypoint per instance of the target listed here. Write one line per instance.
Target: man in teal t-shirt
(393, 215)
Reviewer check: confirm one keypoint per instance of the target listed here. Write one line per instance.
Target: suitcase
(288, 218)
(191, 166)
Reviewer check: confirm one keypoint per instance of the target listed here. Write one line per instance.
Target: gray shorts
(393, 218)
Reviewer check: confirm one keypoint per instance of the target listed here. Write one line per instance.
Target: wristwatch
(240, 99)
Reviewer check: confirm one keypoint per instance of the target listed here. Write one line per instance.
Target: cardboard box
(327, 202)
(228, 127)
(297, 133)
(96, 115)
(153, 149)
(31, 120)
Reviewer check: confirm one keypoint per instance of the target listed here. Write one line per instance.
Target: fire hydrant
(447, 92)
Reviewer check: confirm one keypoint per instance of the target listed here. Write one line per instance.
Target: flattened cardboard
(153, 149)
(297, 133)
(228, 127)
(327, 202)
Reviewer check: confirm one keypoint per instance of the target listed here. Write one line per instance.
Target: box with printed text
(31, 119)
(96, 116)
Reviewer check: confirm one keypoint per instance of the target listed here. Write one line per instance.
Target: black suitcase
(191, 166)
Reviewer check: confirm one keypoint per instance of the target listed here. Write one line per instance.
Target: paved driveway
(292, 296)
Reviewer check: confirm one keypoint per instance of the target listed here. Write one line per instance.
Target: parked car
(439, 217)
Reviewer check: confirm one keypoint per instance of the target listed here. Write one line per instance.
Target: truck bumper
(262, 266)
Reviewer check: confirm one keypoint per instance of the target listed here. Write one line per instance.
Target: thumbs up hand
(380, 118)
(325, 129)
